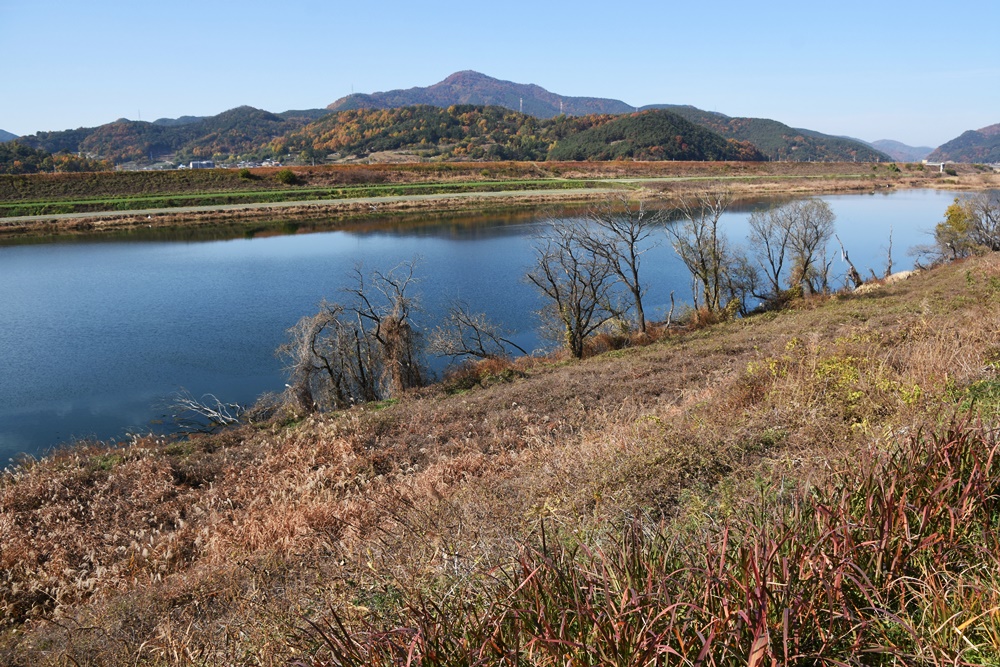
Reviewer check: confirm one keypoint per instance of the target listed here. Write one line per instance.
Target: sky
(917, 72)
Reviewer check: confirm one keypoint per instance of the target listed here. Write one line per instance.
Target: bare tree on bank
(619, 233)
(363, 351)
(793, 237)
(812, 229)
(702, 247)
(577, 282)
(467, 334)
(770, 238)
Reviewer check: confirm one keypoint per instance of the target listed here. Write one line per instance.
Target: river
(98, 334)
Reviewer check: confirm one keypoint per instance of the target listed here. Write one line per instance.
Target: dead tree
(576, 282)
(205, 414)
(698, 241)
(619, 232)
(363, 351)
(852, 273)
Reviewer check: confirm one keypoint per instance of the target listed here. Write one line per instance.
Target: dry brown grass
(214, 550)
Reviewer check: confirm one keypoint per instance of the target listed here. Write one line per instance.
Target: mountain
(773, 139)
(6, 136)
(779, 141)
(238, 131)
(982, 145)
(474, 88)
(497, 133)
(900, 151)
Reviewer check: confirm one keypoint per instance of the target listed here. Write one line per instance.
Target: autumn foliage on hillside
(496, 133)
(17, 158)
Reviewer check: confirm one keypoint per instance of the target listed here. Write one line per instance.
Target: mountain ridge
(470, 87)
(982, 145)
(897, 150)
(6, 136)
(774, 139)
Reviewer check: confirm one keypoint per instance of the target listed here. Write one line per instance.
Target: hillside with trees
(779, 141)
(652, 135)
(496, 133)
(775, 140)
(450, 120)
(814, 483)
(982, 145)
(240, 131)
(17, 158)
(6, 136)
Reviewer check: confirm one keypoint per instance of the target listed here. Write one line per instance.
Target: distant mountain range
(474, 88)
(900, 151)
(982, 145)
(587, 121)
(774, 140)
(6, 136)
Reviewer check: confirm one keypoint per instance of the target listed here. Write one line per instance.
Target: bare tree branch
(205, 414)
(468, 334)
(698, 241)
(577, 283)
(619, 232)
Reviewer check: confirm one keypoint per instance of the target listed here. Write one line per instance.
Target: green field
(140, 202)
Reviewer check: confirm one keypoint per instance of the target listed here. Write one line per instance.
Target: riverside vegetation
(811, 484)
(102, 202)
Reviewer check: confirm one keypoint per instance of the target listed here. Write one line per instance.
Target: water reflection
(98, 332)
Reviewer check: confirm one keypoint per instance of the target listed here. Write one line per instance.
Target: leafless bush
(468, 334)
(356, 353)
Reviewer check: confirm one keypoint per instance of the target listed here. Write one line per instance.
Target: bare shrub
(468, 334)
(356, 353)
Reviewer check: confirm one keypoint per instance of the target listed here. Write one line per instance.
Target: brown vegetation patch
(216, 548)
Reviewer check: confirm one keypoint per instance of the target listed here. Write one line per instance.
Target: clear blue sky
(918, 72)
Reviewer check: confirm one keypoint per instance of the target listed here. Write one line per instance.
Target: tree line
(367, 347)
(589, 273)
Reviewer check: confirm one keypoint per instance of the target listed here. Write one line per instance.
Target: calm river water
(96, 335)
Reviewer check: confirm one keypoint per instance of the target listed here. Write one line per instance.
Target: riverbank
(255, 544)
(360, 189)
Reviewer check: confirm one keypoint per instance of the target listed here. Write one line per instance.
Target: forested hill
(652, 135)
(981, 145)
(492, 132)
(6, 136)
(239, 131)
(779, 141)
(478, 89)
(18, 158)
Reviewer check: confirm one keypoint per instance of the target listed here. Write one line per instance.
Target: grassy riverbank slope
(67, 203)
(788, 486)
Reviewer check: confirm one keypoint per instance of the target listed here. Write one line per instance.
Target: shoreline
(763, 183)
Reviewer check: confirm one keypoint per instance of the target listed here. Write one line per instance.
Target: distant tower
(560, 107)
(522, 105)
